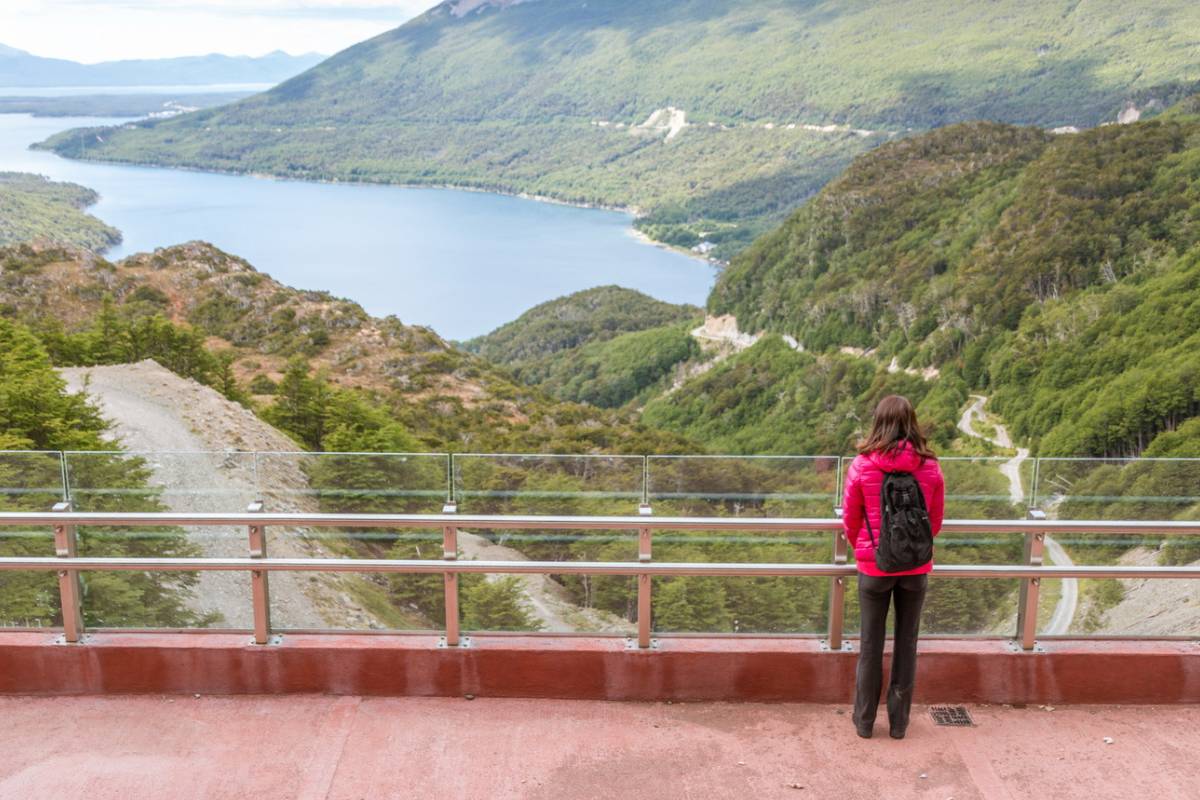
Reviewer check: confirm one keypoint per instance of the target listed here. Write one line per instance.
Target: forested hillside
(33, 208)
(713, 117)
(1060, 273)
(605, 346)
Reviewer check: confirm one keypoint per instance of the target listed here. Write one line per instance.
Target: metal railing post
(69, 589)
(260, 593)
(837, 589)
(645, 482)
(1033, 488)
(1027, 611)
(450, 579)
(65, 477)
(645, 553)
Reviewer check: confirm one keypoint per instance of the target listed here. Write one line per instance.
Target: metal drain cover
(952, 716)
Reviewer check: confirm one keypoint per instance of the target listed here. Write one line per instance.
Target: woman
(895, 444)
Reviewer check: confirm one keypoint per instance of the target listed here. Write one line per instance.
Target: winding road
(1068, 602)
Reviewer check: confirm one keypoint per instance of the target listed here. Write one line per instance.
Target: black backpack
(906, 540)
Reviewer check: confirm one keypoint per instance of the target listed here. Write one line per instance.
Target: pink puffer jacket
(864, 480)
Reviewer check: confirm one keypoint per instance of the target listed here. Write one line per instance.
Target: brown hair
(895, 421)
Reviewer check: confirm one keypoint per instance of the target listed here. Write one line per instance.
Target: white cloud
(103, 30)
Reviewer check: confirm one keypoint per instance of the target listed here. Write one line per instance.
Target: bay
(460, 262)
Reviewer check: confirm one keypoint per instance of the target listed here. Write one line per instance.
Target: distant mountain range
(21, 69)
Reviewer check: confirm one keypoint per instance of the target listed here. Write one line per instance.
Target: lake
(460, 262)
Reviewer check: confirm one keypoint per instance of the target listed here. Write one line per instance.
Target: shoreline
(632, 211)
(629, 210)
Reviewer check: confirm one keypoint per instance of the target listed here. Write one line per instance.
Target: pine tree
(692, 604)
(497, 605)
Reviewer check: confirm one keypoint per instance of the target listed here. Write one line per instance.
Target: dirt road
(547, 601)
(185, 430)
(1068, 603)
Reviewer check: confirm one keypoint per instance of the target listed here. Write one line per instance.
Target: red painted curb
(733, 669)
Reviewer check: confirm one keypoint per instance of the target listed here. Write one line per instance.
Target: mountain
(1060, 274)
(21, 69)
(33, 208)
(604, 346)
(714, 118)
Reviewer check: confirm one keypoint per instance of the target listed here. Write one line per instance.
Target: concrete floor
(309, 747)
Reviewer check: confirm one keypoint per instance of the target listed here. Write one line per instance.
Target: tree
(297, 407)
(497, 605)
(691, 604)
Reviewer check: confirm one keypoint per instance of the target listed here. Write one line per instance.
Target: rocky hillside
(266, 331)
(714, 117)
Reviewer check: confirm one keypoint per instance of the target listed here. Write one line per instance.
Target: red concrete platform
(305, 747)
(739, 669)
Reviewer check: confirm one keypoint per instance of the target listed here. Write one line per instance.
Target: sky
(107, 30)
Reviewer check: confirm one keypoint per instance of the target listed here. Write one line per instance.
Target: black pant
(874, 596)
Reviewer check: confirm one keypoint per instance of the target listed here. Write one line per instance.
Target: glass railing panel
(581, 485)
(749, 486)
(355, 483)
(1117, 488)
(1151, 608)
(557, 485)
(180, 482)
(752, 486)
(992, 488)
(750, 605)
(29, 481)
(548, 604)
(1120, 489)
(955, 607)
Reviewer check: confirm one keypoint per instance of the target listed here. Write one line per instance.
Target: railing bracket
(463, 643)
(845, 648)
(276, 639)
(631, 643)
(85, 638)
(1015, 647)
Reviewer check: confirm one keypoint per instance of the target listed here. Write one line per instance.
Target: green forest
(606, 346)
(33, 208)
(1057, 273)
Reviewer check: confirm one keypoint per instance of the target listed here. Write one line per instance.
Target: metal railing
(68, 564)
(1094, 487)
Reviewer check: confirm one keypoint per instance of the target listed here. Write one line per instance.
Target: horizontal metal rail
(550, 522)
(69, 565)
(660, 568)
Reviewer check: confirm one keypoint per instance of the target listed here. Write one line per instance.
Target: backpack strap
(867, 510)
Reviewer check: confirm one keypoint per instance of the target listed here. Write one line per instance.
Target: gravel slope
(178, 423)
